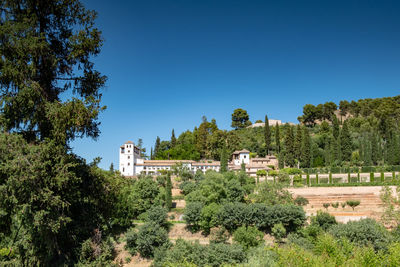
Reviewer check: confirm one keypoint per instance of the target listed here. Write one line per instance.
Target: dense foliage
(362, 133)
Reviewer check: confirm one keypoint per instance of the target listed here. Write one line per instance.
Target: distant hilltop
(271, 122)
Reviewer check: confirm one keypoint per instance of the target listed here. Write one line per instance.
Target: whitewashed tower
(128, 156)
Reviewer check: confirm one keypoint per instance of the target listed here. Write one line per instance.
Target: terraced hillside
(370, 202)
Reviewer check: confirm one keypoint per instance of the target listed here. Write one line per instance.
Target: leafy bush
(232, 215)
(235, 191)
(158, 215)
(301, 201)
(209, 217)
(248, 236)
(363, 232)
(214, 254)
(291, 171)
(292, 217)
(326, 205)
(149, 237)
(278, 231)
(192, 215)
(131, 238)
(187, 187)
(323, 220)
(271, 194)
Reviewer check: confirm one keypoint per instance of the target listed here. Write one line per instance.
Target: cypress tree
(151, 153)
(305, 158)
(277, 139)
(157, 147)
(298, 142)
(335, 127)
(173, 139)
(224, 160)
(112, 167)
(289, 146)
(345, 142)
(374, 149)
(267, 136)
(168, 192)
(243, 167)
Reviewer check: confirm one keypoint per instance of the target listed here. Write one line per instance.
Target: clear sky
(169, 62)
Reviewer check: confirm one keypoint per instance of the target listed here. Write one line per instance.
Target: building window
(123, 169)
(129, 163)
(244, 156)
(129, 157)
(129, 151)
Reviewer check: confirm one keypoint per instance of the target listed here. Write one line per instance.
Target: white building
(131, 164)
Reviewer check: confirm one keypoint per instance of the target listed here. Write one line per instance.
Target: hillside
(356, 133)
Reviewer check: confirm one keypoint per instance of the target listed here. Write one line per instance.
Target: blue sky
(169, 62)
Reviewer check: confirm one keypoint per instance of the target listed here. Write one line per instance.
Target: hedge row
(394, 168)
(234, 215)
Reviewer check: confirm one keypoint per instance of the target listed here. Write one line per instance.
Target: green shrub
(158, 215)
(232, 215)
(131, 238)
(209, 217)
(326, 205)
(149, 237)
(214, 254)
(323, 220)
(292, 217)
(278, 231)
(301, 201)
(248, 236)
(363, 232)
(187, 186)
(192, 215)
(335, 205)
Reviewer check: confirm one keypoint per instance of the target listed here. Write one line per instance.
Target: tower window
(129, 163)
(129, 157)
(123, 169)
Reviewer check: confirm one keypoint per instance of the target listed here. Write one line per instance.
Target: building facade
(131, 163)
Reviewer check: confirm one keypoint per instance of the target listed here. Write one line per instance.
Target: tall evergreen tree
(224, 160)
(298, 142)
(289, 146)
(305, 159)
(375, 155)
(277, 139)
(168, 192)
(157, 147)
(335, 127)
(151, 153)
(345, 142)
(46, 50)
(267, 136)
(173, 139)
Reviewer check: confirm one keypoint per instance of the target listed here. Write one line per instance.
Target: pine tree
(298, 142)
(157, 147)
(151, 154)
(173, 139)
(168, 192)
(305, 159)
(277, 139)
(289, 146)
(345, 143)
(267, 136)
